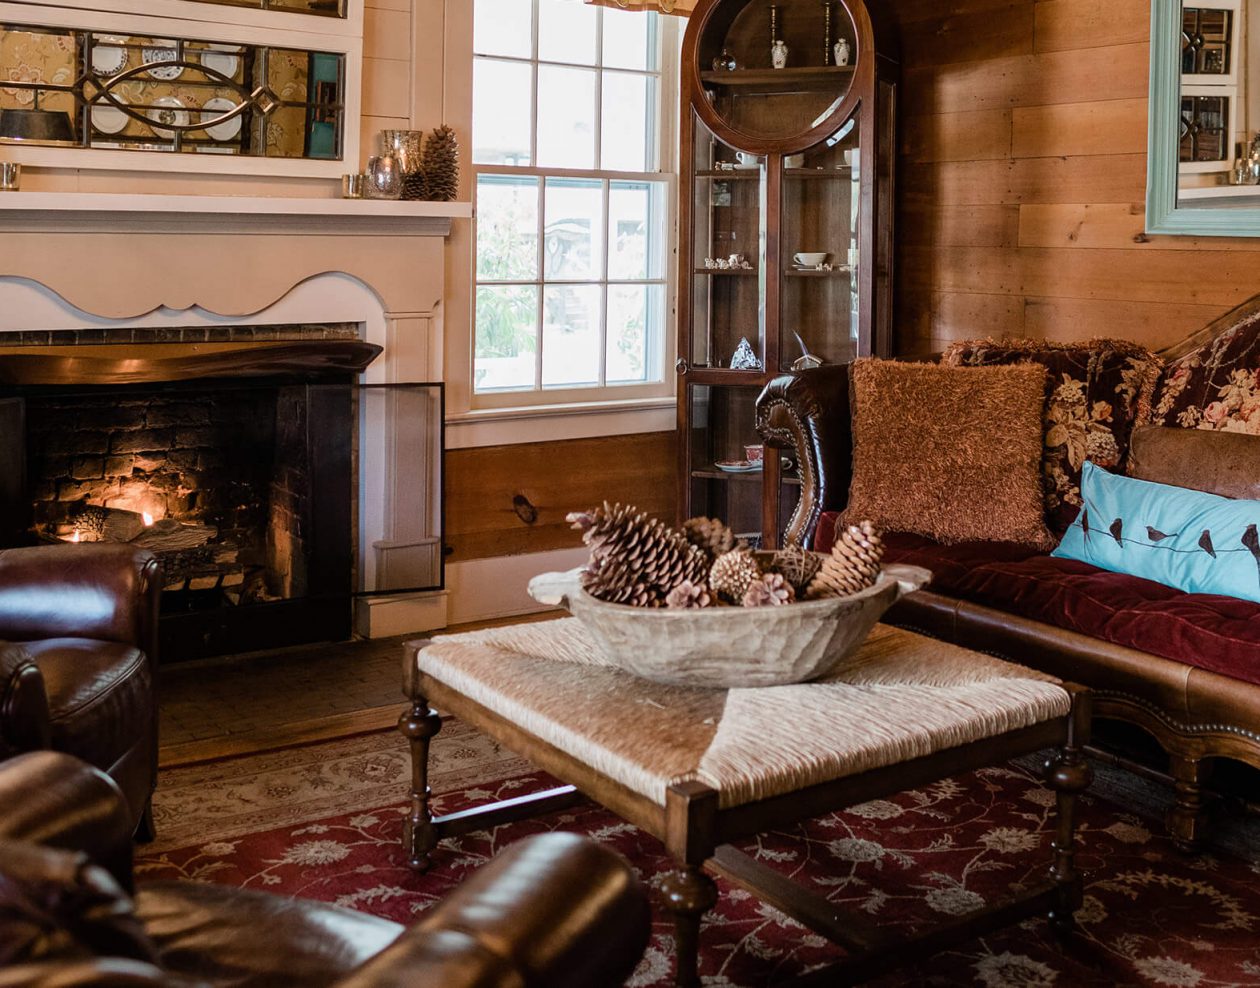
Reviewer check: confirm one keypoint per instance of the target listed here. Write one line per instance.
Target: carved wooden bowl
(727, 647)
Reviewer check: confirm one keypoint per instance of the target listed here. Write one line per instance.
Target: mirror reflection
(126, 92)
(1218, 150)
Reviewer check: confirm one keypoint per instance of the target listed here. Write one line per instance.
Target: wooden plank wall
(1022, 179)
(483, 484)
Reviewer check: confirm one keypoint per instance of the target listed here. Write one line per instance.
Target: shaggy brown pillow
(953, 453)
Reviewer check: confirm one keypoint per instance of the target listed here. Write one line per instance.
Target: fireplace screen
(254, 495)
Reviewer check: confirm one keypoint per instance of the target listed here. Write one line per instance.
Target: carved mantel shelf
(86, 212)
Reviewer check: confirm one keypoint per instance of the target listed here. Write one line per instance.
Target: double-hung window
(573, 117)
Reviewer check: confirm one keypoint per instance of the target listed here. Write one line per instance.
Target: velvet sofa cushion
(1097, 391)
(1208, 631)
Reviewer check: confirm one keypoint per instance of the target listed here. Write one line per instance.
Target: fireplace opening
(235, 467)
(214, 481)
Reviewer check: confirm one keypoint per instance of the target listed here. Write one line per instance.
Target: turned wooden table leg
(1069, 773)
(689, 894)
(690, 821)
(1185, 819)
(418, 724)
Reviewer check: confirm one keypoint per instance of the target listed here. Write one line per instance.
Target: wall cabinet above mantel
(205, 87)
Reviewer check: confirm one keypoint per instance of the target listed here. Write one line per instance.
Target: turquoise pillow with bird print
(1190, 540)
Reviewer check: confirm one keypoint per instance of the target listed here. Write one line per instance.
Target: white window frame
(659, 350)
(204, 22)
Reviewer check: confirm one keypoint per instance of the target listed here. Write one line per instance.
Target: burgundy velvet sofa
(1183, 667)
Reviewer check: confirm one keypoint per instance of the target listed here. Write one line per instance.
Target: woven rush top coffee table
(700, 768)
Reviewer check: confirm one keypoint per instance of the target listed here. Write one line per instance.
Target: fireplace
(234, 462)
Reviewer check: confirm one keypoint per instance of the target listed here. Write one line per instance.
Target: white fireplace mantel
(142, 262)
(86, 212)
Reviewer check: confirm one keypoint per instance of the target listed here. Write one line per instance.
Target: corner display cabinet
(786, 206)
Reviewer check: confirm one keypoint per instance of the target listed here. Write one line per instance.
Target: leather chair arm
(104, 591)
(556, 910)
(58, 801)
(24, 716)
(105, 972)
(808, 412)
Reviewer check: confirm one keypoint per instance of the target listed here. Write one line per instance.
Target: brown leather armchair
(555, 910)
(78, 656)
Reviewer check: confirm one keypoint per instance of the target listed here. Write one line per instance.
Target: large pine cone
(733, 573)
(635, 559)
(853, 564)
(441, 165)
(710, 535)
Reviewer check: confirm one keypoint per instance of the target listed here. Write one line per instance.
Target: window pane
(566, 117)
(636, 230)
(574, 236)
(627, 117)
(571, 335)
(636, 316)
(507, 228)
(629, 39)
(501, 92)
(502, 27)
(566, 31)
(507, 337)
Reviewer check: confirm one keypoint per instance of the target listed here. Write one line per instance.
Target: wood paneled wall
(1022, 180)
(484, 516)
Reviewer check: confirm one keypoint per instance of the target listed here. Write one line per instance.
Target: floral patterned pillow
(1217, 385)
(1098, 390)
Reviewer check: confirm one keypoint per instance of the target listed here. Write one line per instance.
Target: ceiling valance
(680, 7)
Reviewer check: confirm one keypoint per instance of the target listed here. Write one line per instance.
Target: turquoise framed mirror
(1203, 160)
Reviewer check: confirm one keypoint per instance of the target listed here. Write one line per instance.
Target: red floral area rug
(1151, 915)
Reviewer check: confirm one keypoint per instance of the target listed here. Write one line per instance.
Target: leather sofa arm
(556, 909)
(56, 800)
(808, 412)
(24, 716)
(104, 591)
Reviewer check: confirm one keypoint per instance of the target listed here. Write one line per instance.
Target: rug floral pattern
(1151, 916)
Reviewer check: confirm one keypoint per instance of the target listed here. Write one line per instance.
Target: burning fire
(76, 536)
(146, 518)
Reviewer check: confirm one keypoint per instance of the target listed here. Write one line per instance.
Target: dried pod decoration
(853, 564)
(798, 566)
(635, 559)
(733, 573)
(689, 595)
(441, 165)
(770, 590)
(709, 534)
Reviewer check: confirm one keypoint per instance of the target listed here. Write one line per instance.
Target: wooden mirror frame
(1163, 214)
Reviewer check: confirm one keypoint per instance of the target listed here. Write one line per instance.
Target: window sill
(551, 423)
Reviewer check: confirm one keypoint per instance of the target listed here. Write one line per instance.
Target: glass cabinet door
(819, 237)
(724, 483)
(728, 256)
